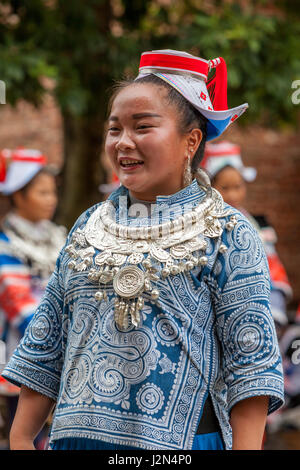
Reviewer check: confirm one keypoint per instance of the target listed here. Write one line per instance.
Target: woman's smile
(130, 164)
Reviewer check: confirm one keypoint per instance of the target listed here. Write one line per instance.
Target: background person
(230, 177)
(29, 246)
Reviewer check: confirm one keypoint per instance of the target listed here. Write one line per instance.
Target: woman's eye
(144, 126)
(113, 129)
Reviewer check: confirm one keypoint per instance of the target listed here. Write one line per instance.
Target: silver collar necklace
(132, 261)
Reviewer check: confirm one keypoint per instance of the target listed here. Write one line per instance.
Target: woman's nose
(125, 142)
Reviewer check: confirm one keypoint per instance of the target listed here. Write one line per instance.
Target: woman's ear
(193, 141)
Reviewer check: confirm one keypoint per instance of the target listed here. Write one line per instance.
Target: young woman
(29, 246)
(155, 331)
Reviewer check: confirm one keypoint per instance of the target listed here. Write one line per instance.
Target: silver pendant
(129, 282)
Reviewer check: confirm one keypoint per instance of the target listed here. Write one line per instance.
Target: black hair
(189, 117)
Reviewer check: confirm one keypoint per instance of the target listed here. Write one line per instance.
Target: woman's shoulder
(238, 231)
(239, 217)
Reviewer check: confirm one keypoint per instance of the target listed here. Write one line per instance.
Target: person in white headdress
(230, 176)
(155, 331)
(29, 245)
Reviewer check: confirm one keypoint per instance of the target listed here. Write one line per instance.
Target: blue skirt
(211, 441)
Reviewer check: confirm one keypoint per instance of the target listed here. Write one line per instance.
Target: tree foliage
(85, 44)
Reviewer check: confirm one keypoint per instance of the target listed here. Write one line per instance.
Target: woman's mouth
(130, 164)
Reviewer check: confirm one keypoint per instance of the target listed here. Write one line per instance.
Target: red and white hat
(189, 76)
(219, 155)
(18, 167)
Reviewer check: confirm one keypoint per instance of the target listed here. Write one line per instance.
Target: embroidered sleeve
(37, 361)
(250, 354)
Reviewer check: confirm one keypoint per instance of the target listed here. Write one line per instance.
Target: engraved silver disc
(129, 281)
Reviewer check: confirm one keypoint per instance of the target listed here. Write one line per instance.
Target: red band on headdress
(217, 86)
(2, 168)
(26, 155)
(175, 62)
(234, 150)
(7, 157)
(39, 159)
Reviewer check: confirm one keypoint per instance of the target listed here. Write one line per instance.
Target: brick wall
(30, 127)
(275, 155)
(275, 191)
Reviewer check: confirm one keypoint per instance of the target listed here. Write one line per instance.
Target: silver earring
(187, 174)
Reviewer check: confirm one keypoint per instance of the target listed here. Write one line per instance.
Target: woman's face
(39, 200)
(231, 185)
(144, 144)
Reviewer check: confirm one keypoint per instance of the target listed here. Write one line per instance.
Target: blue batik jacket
(210, 332)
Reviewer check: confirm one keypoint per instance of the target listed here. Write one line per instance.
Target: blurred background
(59, 59)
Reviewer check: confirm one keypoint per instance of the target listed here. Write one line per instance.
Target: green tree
(85, 45)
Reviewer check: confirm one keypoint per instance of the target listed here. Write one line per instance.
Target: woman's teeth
(130, 163)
